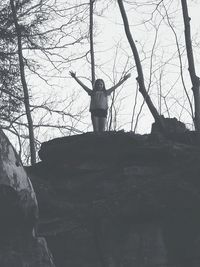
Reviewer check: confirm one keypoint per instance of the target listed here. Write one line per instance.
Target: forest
(157, 41)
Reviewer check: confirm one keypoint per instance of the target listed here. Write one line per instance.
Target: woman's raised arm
(109, 91)
(88, 90)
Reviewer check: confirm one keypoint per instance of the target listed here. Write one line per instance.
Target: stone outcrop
(118, 199)
(19, 246)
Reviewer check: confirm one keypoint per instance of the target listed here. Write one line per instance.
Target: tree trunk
(24, 84)
(194, 78)
(140, 79)
(92, 42)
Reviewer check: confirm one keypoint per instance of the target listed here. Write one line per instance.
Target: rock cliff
(19, 246)
(118, 199)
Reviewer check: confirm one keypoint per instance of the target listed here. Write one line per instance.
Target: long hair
(95, 88)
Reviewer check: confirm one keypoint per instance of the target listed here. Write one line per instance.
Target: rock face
(19, 247)
(116, 199)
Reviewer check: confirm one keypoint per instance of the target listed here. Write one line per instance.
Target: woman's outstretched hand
(73, 74)
(127, 76)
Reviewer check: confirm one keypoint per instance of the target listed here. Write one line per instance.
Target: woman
(99, 100)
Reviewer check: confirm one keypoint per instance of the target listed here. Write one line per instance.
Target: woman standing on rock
(99, 100)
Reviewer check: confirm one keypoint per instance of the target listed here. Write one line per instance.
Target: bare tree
(32, 42)
(194, 78)
(140, 78)
(24, 84)
(92, 41)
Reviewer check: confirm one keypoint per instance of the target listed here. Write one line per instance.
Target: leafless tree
(24, 83)
(92, 41)
(194, 78)
(140, 77)
(33, 43)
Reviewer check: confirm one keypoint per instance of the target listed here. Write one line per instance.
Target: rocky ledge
(118, 199)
